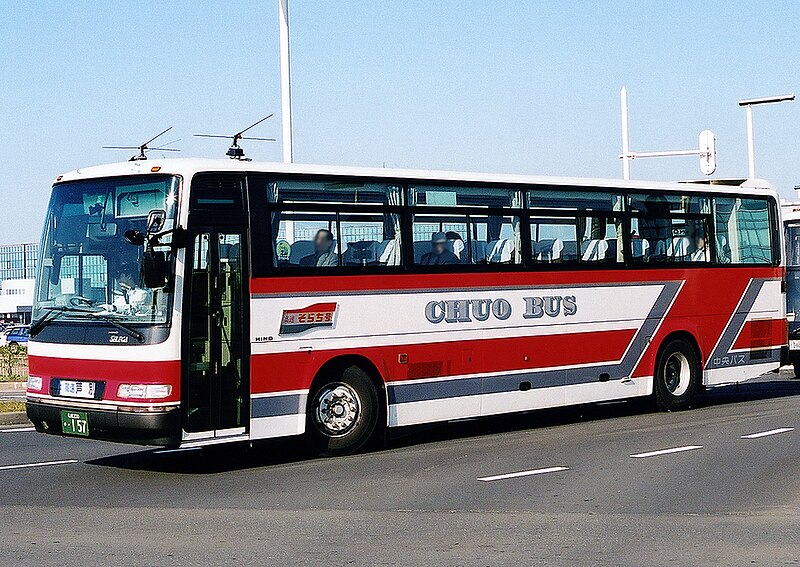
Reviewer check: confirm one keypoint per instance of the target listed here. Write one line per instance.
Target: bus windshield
(87, 270)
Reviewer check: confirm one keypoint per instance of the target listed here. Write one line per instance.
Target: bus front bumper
(162, 428)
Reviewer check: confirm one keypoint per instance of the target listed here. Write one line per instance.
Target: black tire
(677, 375)
(342, 413)
(796, 366)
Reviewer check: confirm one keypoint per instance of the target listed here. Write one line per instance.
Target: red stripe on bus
(295, 370)
(299, 285)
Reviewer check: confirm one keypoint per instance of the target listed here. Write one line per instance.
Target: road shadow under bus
(224, 458)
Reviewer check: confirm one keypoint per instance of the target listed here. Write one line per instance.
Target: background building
(17, 273)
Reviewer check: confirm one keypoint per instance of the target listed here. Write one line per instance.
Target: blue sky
(524, 87)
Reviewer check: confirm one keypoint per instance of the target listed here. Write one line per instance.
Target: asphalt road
(720, 500)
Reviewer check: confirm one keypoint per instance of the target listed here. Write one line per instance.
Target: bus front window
(87, 269)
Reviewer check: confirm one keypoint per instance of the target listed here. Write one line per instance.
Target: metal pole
(286, 82)
(751, 152)
(626, 162)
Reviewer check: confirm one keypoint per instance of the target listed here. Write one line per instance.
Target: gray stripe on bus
(734, 328)
(274, 406)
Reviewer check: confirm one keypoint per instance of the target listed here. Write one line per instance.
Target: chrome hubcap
(336, 409)
(677, 374)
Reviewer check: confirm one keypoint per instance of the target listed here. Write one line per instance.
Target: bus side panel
(483, 350)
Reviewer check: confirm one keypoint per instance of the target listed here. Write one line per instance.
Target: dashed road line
(666, 451)
(17, 429)
(768, 433)
(522, 473)
(42, 464)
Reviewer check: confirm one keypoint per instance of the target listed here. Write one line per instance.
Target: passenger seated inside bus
(324, 255)
(439, 254)
(700, 253)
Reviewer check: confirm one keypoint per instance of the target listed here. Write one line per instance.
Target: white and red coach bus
(190, 302)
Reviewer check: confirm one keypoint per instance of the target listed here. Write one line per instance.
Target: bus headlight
(148, 391)
(34, 383)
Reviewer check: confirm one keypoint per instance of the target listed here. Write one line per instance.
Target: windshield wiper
(54, 312)
(122, 327)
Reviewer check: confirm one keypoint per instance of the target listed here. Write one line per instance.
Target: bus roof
(187, 167)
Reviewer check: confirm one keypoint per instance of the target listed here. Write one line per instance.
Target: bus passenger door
(216, 388)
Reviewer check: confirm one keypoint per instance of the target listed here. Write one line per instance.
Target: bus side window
(307, 239)
(600, 239)
(742, 229)
(554, 240)
(440, 240)
(370, 239)
(495, 239)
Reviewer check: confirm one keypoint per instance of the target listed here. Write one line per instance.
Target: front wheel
(342, 412)
(677, 375)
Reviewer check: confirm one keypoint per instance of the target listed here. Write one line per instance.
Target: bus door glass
(216, 388)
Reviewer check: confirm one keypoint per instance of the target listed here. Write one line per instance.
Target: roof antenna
(236, 151)
(144, 148)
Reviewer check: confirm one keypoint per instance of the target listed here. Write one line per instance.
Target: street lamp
(748, 104)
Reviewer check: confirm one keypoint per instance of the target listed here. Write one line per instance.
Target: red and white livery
(189, 302)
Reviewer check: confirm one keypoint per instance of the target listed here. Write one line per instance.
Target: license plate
(74, 423)
(76, 389)
(794, 345)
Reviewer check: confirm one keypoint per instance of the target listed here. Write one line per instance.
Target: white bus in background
(791, 223)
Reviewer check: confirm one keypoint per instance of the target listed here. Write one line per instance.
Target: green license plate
(74, 423)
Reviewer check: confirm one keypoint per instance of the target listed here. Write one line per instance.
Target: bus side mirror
(156, 220)
(154, 269)
(138, 239)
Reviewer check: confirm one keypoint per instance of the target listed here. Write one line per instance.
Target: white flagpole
(286, 82)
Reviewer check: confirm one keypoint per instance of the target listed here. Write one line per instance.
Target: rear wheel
(796, 366)
(677, 375)
(342, 412)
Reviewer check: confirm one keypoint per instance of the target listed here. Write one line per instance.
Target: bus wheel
(342, 412)
(677, 375)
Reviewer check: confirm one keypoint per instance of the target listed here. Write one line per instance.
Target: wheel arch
(690, 339)
(339, 363)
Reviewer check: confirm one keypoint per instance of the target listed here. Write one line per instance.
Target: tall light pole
(286, 81)
(707, 145)
(626, 149)
(748, 105)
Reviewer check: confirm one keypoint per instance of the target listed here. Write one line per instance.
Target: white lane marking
(17, 429)
(768, 433)
(522, 473)
(43, 464)
(667, 451)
